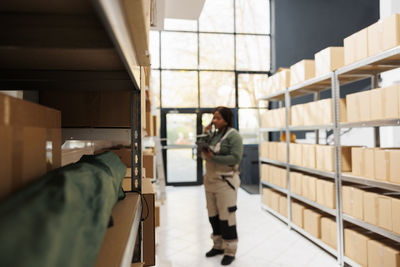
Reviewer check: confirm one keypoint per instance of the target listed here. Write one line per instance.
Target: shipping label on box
(375, 39)
(328, 60)
(391, 32)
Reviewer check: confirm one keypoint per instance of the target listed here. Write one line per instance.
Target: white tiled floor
(184, 235)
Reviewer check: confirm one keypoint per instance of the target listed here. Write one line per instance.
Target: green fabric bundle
(61, 219)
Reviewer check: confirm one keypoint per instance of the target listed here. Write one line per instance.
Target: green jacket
(231, 151)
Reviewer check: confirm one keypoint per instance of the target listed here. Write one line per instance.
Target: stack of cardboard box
(275, 200)
(274, 175)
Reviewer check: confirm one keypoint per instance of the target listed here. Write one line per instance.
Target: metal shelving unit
(275, 187)
(278, 129)
(275, 96)
(314, 239)
(276, 214)
(314, 204)
(368, 68)
(312, 171)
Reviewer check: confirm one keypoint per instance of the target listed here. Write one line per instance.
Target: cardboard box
(356, 47)
(394, 171)
(297, 214)
(312, 222)
(264, 172)
(382, 165)
(365, 104)
(329, 232)
(391, 32)
(324, 112)
(326, 193)
(264, 149)
(369, 163)
(353, 107)
(391, 102)
(356, 246)
(385, 212)
(266, 196)
(328, 60)
(283, 205)
(149, 164)
(311, 115)
(395, 215)
(376, 104)
(375, 38)
(309, 187)
(296, 154)
(325, 158)
(297, 115)
(357, 161)
(273, 150)
(281, 146)
(382, 254)
(31, 142)
(284, 79)
(309, 156)
(353, 201)
(370, 207)
(302, 71)
(296, 180)
(275, 201)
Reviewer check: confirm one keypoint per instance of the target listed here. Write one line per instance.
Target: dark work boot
(226, 260)
(213, 252)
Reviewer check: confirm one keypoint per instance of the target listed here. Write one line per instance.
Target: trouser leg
(226, 205)
(214, 220)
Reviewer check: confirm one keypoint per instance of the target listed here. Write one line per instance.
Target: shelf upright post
(316, 98)
(377, 136)
(338, 183)
(136, 161)
(288, 191)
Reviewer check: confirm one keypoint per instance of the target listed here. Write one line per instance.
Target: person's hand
(208, 154)
(208, 128)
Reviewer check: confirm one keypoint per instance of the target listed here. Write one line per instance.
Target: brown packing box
(297, 115)
(364, 105)
(281, 151)
(31, 142)
(395, 215)
(356, 246)
(328, 232)
(309, 156)
(369, 163)
(266, 196)
(371, 207)
(275, 201)
(353, 201)
(394, 171)
(298, 214)
(284, 79)
(382, 165)
(391, 100)
(353, 107)
(391, 32)
(376, 104)
(127, 184)
(273, 151)
(312, 222)
(311, 115)
(328, 60)
(296, 154)
(148, 164)
(309, 187)
(320, 192)
(326, 193)
(357, 161)
(382, 254)
(356, 47)
(325, 111)
(264, 172)
(385, 212)
(264, 152)
(296, 183)
(375, 38)
(302, 71)
(283, 205)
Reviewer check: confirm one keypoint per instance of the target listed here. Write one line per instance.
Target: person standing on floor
(223, 152)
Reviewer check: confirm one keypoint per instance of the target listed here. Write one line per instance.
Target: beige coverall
(221, 184)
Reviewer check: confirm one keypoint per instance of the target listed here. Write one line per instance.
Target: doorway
(180, 129)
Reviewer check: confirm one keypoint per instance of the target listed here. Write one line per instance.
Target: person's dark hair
(226, 114)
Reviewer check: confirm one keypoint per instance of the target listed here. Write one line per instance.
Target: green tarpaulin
(61, 219)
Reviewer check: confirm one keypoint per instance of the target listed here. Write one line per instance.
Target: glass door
(179, 132)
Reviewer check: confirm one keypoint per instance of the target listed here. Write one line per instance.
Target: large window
(223, 58)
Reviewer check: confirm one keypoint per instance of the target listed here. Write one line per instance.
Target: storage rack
(90, 44)
(368, 68)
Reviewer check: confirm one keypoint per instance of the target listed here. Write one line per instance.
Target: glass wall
(223, 58)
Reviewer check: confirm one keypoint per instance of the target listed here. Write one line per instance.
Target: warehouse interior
(104, 105)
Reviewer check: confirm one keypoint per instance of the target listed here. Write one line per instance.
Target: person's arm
(236, 151)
